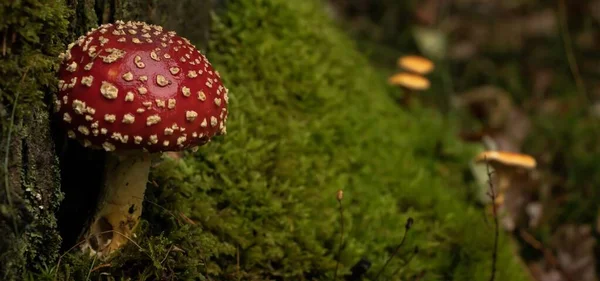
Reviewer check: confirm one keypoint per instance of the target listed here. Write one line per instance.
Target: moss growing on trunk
(31, 35)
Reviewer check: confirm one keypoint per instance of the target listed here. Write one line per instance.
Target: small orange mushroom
(506, 166)
(416, 64)
(410, 82)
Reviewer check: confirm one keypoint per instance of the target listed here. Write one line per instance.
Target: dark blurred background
(521, 76)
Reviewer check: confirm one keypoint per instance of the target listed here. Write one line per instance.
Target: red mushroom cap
(134, 85)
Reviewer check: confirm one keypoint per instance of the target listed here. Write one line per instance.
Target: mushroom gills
(120, 205)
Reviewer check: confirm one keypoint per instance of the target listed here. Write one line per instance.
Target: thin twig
(340, 196)
(101, 266)
(167, 255)
(492, 194)
(407, 228)
(562, 15)
(550, 258)
(415, 252)
(91, 268)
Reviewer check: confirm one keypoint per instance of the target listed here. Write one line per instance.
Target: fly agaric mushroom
(409, 82)
(506, 165)
(416, 64)
(135, 90)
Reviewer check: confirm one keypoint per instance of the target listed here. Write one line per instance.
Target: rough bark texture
(39, 166)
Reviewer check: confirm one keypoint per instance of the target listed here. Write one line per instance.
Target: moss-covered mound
(308, 116)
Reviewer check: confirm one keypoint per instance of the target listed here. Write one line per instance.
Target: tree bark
(43, 204)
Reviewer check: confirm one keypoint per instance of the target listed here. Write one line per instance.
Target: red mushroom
(135, 90)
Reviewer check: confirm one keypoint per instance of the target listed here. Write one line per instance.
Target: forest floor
(522, 76)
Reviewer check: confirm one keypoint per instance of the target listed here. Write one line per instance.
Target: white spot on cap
(108, 146)
(137, 139)
(162, 81)
(94, 125)
(128, 76)
(213, 121)
(87, 80)
(142, 90)
(78, 106)
(114, 55)
(110, 118)
(72, 67)
(88, 66)
(108, 90)
(181, 140)
(57, 105)
(153, 119)
(128, 118)
(102, 40)
(154, 139)
(138, 62)
(203, 124)
(171, 103)
(168, 131)
(143, 78)
(218, 101)
(84, 130)
(174, 70)
(87, 143)
(129, 96)
(160, 103)
(140, 110)
(192, 74)
(153, 55)
(89, 118)
(186, 91)
(201, 96)
(103, 131)
(67, 118)
(119, 137)
(190, 115)
(71, 134)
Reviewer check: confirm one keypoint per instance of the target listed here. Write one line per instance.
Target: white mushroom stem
(503, 178)
(120, 204)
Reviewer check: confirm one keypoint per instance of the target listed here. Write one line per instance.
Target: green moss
(309, 116)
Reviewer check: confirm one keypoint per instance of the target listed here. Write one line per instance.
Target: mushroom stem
(406, 99)
(120, 204)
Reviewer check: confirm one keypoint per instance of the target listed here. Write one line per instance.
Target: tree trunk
(43, 203)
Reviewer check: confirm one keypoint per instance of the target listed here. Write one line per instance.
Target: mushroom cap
(136, 86)
(506, 158)
(410, 81)
(416, 64)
